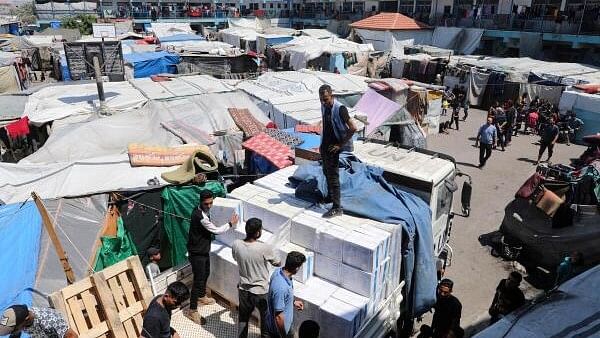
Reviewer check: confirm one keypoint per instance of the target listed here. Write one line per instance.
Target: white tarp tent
(520, 68)
(199, 46)
(180, 86)
(56, 102)
(570, 311)
(587, 108)
(162, 29)
(103, 137)
(305, 48)
(79, 178)
(318, 33)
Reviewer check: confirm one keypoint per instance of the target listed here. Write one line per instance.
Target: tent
(569, 311)
(152, 63)
(181, 37)
(303, 49)
(164, 29)
(586, 106)
(180, 86)
(59, 101)
(20, 227)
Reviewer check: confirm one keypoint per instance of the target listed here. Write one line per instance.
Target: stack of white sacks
(353, 264)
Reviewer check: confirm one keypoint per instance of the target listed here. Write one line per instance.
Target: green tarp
(178, 203)
(115, 249)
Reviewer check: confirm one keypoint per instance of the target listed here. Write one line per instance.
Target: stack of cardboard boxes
(353, 264)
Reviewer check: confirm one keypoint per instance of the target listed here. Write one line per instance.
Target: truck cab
(427, 174)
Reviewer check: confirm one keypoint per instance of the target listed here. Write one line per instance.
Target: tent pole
(62, 256)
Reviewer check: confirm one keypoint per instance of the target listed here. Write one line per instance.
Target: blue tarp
(366, 193)
(20, 230)
(181, 37)
(152, 63)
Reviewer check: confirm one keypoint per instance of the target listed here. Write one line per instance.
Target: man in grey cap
(37, 322)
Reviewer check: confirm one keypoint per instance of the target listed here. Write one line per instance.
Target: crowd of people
(510, 119)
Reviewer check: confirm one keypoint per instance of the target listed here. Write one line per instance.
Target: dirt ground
(474, 270)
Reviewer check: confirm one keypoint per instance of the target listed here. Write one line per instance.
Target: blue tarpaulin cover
(152, 63)
(181, 37)
(364, 192)
(20, 230)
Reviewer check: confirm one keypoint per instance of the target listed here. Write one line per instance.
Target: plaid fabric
(277, 153)
(309, 128)
(284, 137)
(246, 122)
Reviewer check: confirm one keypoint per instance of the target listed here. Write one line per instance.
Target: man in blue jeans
(281, 304)
(486, 138)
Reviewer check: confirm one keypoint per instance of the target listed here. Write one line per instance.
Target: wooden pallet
(109, 303)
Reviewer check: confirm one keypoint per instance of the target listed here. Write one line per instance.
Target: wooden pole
(62, 256)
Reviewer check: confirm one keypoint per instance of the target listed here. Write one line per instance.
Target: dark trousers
(249, 301)
(455, 118)
(201, 270)
(543, 146)
(509, 134)
(485, 151)
(501, 139)
(466, 114)
(332, 175)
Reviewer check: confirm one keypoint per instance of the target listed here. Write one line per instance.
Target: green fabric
(115, 249)
(180, 201)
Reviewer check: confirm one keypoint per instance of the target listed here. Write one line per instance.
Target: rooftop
(389, 21)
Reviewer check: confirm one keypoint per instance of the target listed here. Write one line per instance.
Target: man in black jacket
(448, 310)
(508, 297)
(202, 232)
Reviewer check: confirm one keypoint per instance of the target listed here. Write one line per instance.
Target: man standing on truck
(157, 320)
(254, 260)
(338, 129)
(486, 138)
(201, 234)
(281, 302)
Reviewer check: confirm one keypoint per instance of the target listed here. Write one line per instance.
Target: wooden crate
(109, 303)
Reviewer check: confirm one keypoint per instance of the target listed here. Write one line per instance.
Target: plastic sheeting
(378, 109)
(520, 68)
(9, 80)
(20, 228)
(78, 223)
(79, 178)
(365, 192)
(586, 108)
(163, 29)
(304, 48)
(446, 37)
(477, 82)
(569, 311)
(181, 37)
(550, 93)
(380, 42)
(56, 102)
(104, 136)
(181, 201)
(152, 63)
(180, 86)
(115, 248)
(530, 45)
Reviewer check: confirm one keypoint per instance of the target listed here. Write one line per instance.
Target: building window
(264, 5)
(271, 5)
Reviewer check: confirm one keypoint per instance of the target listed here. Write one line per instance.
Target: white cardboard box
(224, 274)
(361, 251)
(313, 294)
(304, 230)
(328, 268)
(358, 281)
(342, 319)
(364, 304)
(239, 232)
(223, 208)
(330, 241)
(307, 269)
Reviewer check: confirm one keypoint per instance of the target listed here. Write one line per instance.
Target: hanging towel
(246, 122)
(18, 128)
(188, 133)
